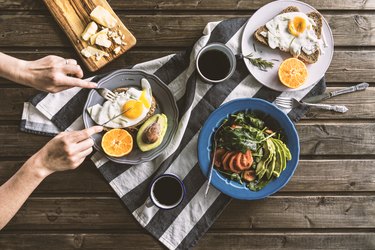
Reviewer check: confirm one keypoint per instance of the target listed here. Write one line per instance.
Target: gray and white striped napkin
(181, 227)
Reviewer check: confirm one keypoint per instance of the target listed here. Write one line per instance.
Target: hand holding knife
(318, 98)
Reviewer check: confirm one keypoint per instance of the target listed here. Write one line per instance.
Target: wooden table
(328, 204)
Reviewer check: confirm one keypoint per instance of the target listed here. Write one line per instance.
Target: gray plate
(164, 98)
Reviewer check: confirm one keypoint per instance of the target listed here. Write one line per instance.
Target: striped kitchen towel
(180, 227)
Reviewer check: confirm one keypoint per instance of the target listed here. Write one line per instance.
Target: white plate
(270, 78)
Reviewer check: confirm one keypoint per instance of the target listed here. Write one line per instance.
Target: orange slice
(292, 73)
(117, 142)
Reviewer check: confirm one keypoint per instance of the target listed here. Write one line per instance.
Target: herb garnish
(259, 62)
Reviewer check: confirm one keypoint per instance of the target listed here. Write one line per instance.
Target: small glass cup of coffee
(166, 192)
(215, 63)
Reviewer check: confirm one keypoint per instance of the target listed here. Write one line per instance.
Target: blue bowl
(280, 122)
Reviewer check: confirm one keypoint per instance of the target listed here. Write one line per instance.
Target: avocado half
(163, 122)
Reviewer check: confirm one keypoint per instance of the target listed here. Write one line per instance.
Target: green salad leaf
(240, 138)
(247, 119)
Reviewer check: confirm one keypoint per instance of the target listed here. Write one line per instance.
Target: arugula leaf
(256, 122)
(237, 139)
(256, 186)
(247, 119)
(238, 119)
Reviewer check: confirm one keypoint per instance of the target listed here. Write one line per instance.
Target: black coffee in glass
(167, 190)
(214, 64)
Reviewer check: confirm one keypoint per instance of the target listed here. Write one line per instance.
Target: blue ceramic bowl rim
(176, 178)
(205, 141)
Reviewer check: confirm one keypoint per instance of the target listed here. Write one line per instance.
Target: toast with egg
(315, 16)
(149, 114)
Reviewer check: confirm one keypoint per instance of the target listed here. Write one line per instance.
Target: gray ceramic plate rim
(174, 119)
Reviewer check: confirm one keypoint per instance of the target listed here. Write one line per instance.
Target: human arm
(65, 151)
(50, 73)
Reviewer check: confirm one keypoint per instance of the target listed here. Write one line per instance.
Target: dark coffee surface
(214, 64)
(167, 191)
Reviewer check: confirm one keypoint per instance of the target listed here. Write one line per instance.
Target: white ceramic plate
(270, 78)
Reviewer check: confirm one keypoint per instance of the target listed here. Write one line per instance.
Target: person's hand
(65, 151)
(53, 74)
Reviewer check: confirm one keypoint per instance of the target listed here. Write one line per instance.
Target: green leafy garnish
(259, 62)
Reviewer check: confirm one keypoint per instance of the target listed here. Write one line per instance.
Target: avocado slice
(155, 127)
(280, 158)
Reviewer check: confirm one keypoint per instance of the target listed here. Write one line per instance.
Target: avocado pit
(152, 133)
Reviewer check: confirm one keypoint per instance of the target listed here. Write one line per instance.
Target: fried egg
(134, 104)
(293, 32)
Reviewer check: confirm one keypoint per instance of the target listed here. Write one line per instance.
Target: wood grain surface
(197, 5)
(356, 175)
(73, 17)
(361, 105)
(348, 65)
(276, 212)
(329, 202)
(169, 30)
(231, 240)
(317, 138)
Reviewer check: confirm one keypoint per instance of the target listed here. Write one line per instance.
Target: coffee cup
(215, 63)
(167, 191)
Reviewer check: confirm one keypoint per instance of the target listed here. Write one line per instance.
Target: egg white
(103, 113)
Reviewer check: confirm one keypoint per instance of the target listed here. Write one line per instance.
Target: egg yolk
(133, 109)
(297, 25)
(143, 99)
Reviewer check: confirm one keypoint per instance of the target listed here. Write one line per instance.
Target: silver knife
(318, 98)
(114, 116)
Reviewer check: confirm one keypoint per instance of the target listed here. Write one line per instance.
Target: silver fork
(106, 94)
(287, 102)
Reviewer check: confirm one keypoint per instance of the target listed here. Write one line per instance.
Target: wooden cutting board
(73, 17)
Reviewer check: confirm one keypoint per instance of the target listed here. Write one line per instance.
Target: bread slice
(149, 114)
(318, 19)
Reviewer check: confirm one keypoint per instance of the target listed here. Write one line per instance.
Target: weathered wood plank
(310, 176)
(301, 212)
(212, 240)
(12, 102)
(317, 138)
(231, 240)
(332, 176)
(352, 66)
(85, 179)
(347, 65)
(275, 212)
(167, 30)
(336, 138)
(197, 5)
(361, 105)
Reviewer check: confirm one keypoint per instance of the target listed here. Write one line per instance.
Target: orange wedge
(117, 142)
(292, 73)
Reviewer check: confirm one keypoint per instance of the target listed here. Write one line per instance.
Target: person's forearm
(17, 189)
(12, 68)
